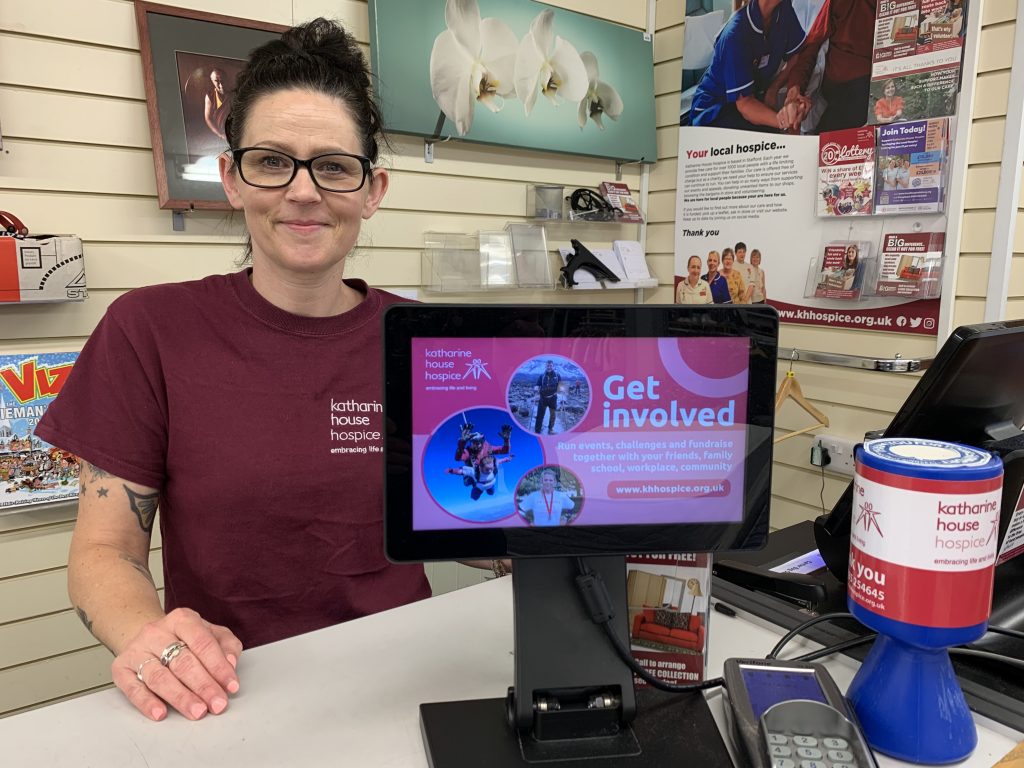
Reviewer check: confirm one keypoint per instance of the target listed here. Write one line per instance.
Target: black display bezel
(404, 322)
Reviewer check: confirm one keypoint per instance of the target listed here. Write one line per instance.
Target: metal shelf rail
(895, 364)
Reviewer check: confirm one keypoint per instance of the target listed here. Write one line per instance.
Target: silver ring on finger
(138, 670)
(171, 651)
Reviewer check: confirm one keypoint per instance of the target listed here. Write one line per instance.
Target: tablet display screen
(514, 432)
(534, 431)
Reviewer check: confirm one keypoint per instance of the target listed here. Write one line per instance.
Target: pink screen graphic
(519, 432)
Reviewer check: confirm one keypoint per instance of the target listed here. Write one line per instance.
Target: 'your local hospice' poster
(759, 190)
(526, 431)
(764, 109)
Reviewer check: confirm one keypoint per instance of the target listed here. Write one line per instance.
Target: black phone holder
(589, 205)
(585, 260)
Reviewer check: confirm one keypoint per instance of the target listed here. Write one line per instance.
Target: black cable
(854, 642)
(987, 655)
(837, 648)
(1006, 631)
(806, 625)
(821, 492)
(597, 603)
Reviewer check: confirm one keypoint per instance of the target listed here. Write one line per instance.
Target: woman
(889, 174)
(733, 279)
(903, 172)
(719, 287)
(759, 294)
(227, 401)
(750, 49)
(693, 289)
(853, 269)
(889, 108)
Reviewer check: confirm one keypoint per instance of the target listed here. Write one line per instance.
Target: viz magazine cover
(31, 470)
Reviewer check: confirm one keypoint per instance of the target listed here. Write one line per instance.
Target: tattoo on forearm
(138, 565)
(81, 488)
(84, 617)
(102, 493)
(144, 506)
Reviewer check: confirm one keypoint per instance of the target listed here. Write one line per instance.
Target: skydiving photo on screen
(473, 463)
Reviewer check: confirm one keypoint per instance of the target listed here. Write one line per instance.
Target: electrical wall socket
(840, 453)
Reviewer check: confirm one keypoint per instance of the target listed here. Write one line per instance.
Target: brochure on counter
(667, 597)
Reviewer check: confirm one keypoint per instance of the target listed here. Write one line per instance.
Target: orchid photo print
(516, 73)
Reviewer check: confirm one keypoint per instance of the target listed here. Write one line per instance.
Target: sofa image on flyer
(668, 614)
(661, 626)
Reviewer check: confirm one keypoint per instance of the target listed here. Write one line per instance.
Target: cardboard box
(42, 269)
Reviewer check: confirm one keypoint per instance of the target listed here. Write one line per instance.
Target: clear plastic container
(496, 265)
(530, 255)
(451, 263)
(548, 201)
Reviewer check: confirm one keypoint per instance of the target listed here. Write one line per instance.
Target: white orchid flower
(601, 98)
(473, 60)
(548, 64)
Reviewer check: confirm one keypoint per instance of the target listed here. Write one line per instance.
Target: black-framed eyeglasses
(273, 169)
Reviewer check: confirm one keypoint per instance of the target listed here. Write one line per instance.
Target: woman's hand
(196, 679)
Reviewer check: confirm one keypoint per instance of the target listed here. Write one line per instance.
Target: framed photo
(515, 73)
(190, 60)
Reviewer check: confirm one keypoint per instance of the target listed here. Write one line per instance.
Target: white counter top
(347, 695)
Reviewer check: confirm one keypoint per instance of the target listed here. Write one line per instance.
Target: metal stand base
(669, 730)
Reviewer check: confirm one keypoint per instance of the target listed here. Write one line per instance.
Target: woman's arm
(113, 593)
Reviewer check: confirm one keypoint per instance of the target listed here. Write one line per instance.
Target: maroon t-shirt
(262, 430)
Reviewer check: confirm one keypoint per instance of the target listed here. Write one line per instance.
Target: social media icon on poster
(901, 321)
(915, 322)
(929, 324)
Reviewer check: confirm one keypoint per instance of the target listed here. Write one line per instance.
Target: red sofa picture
(666, 627)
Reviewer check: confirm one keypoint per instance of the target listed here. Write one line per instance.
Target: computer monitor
(547, 434)
(972, 393)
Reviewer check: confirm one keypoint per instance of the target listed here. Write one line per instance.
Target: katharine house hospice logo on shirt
(357, 426)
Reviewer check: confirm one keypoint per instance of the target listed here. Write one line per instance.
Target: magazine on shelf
(916, 59)
(31, 470)
(911, 160)
(620, 198)
(667, 599)
(910, 265)
(840, 271)
(846, 171)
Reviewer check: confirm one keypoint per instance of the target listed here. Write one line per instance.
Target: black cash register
(972, 393)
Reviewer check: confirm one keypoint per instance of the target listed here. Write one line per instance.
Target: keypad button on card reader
(818, 735)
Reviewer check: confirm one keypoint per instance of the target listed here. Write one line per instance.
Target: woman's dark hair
(319, 56)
